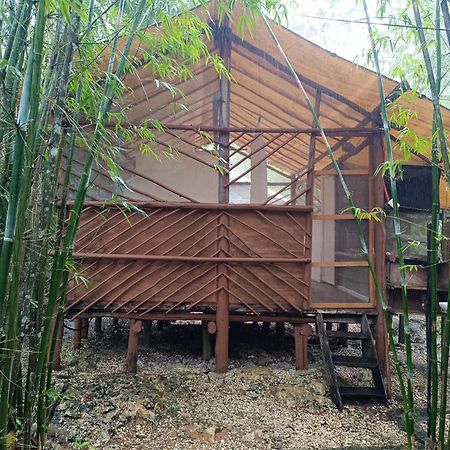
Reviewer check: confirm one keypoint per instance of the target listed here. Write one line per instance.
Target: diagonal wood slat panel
(258, 239)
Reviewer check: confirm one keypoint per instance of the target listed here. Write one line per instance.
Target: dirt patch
(177, 401)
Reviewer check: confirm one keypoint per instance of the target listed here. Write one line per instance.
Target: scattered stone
(178, 402)
(208, 435)
(295, 396)
(255, 436)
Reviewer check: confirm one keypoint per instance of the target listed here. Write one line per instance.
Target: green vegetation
(61, 60)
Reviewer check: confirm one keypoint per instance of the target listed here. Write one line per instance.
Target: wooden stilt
(221, 117)
(115, 322)
(222, 336)
(279, 335)
(329, 326)
(301, 333)
(77, 334)
(59, 339)
(160, 325)
(148, 330)
(265, 328)
(206, 342)
(98, 326)
(84, 328)
(133, 341)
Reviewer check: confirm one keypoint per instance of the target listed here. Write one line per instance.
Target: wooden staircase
(366, 360)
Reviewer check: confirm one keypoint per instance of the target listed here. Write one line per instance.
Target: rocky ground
(176, 401)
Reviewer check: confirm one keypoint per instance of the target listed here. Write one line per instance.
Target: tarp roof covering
(263, 89)
(265, 94)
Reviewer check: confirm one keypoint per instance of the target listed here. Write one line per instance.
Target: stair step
(364, 392)
(347, 335)
(347, 318)
(354, 361)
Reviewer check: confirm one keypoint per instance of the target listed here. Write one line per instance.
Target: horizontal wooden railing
(167, 259)
(188, 259)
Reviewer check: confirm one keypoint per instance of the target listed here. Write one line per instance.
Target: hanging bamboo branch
(434, 83)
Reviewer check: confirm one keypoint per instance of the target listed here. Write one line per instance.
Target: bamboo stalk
(438, 140)
(82, 189)
(446, 15)
(434, 245)
(49, 187)
(409, 398)
(444, 376)
(27, 112)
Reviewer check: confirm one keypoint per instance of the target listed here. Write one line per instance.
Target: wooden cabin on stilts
(239, 215)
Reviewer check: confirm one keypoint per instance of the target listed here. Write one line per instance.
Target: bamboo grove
(429, 37)
(60, 63)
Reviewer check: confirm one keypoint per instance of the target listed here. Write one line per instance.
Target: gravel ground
(176, 401)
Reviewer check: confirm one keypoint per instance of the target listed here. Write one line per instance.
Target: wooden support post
(221, 117)
(279, 335)
(265, 328)
(59, 339)
(301, 333)
(376, 158)
(310, 180)
(77, 334)
(115, 322)
(98, 326)
(329, 326)
(133, 341)
(160, 325)
(223, 329)
(84, 328)
(206, 342)
(312, 154)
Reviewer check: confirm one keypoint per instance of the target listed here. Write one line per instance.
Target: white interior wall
(182, 174)
(258, 175)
